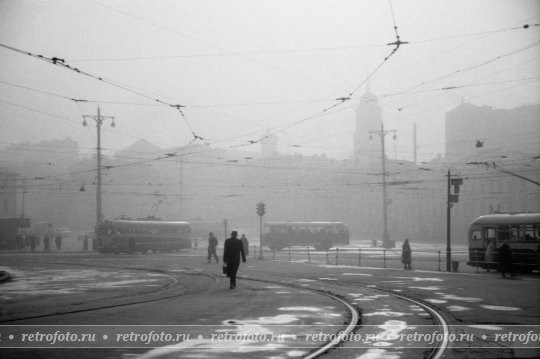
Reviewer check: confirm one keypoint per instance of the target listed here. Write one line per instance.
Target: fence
(434, 260)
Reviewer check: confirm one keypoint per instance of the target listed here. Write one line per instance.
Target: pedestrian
(212, 245)
(58, 241)
(505, 259)
(245, 244)
(232, 251)
(406, 254)
(489, 257)
(46, 243)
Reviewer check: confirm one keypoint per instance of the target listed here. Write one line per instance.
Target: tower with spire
(367, 153)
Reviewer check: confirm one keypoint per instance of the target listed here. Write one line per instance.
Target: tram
(130, 236)
(522, 230)
(321, 235)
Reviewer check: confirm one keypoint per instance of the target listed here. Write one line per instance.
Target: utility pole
(99, 121)
(181, 185)
(451, 199)
(415, 146)
(260, 211)
(23, 193)
(386, 242)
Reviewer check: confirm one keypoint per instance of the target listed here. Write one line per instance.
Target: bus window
(476, 235)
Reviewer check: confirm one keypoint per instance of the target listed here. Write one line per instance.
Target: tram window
(528, 232)
(503, 233)
(490, 233)
(476, 235)
(514, 233)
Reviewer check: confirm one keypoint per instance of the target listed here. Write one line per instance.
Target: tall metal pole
(448, 247)
(99, 121)
(23, 193)
(386, 236)
(99, 215)
(181, 184)
(415, 145)
(260, 239)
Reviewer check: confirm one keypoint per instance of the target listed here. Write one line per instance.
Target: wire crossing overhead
(62, 63)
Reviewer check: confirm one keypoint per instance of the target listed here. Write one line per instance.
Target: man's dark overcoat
(232, 252)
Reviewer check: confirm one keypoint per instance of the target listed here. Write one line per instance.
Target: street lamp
(99, 121)
(386, 242)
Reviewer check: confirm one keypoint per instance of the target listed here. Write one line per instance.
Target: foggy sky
(243, 67)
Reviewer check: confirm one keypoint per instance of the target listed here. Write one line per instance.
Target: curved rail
(436, 352)
(343, 334)
(149, 297)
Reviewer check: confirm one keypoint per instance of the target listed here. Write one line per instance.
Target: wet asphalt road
(483, 304)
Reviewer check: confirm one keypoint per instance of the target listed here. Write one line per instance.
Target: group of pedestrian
(234, 249)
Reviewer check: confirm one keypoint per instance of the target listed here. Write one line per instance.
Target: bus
(321, 235)
(131, 236)
(522, 230)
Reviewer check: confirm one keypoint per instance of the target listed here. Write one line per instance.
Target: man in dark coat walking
(232, 251)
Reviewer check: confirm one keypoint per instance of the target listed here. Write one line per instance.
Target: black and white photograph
(269, 179)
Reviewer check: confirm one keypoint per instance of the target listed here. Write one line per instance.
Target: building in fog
(8, 194)
(488, 148)
(10, 222)
(367, 149)
(58, 152)
(473, 131)
(201, 183)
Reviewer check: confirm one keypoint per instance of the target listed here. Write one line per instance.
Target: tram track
(439, 349)
(436, 352)
(167, 292)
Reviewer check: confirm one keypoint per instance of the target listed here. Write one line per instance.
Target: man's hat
(234, 233)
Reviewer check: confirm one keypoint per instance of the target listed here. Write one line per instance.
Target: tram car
(321, 235)
(131, 236)
(522, 230)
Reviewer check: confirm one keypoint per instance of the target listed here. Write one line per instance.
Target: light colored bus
(522, 230)
(131, 236)
(321, 235)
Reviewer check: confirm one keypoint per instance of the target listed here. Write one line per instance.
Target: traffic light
(260, 209)
(455, 182)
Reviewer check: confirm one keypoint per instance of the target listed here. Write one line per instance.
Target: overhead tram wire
(61, 63)
(348, 97)
(486, 34)
(398, 43)
(285, 51)
(473, 67)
